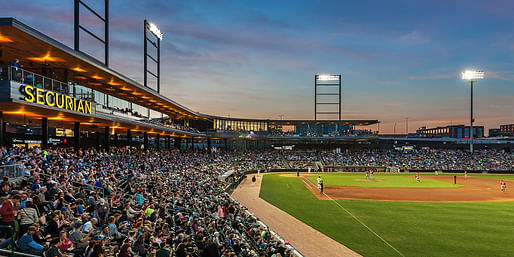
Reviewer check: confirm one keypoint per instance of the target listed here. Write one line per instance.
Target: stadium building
(57, 95)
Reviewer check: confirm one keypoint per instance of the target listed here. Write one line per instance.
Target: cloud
(501, 75)
(414, 38)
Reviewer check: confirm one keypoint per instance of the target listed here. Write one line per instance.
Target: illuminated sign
(54, 99)
(328, 77)
(155, 30)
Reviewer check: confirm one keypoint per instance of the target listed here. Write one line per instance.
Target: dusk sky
(257, 59)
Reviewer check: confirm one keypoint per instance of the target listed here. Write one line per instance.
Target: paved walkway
(310, 242)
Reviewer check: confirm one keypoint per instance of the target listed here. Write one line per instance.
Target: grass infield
(414, 228)
(380, 180)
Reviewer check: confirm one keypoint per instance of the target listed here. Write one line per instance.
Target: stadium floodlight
(328, 77)
(155, 30)
(471, 75)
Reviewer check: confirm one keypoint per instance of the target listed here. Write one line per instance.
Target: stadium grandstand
(97, 164)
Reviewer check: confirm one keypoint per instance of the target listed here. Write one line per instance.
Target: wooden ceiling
(40, 53)
(23, 113)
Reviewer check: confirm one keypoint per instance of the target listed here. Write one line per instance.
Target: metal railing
(36, 80)
(12, 171)
(75, 90)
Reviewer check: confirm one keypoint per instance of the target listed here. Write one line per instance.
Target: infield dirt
(474, 189)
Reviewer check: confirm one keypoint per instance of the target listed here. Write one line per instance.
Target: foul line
(362, 223)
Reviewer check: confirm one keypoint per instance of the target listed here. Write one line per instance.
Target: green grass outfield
(414, 228)
(380, 180)
(504, 177)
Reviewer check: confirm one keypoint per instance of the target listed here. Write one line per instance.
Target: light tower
(472, 75)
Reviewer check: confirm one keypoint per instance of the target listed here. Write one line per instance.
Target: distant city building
(495, 132)
(507, 130)
(453, 131)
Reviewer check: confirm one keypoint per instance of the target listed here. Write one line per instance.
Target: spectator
(79, 240)
(54, 250)
(27, 217)
(27, 243)
(65, 243)
(8, 212)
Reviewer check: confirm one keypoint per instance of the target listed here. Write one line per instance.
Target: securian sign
(51, 98)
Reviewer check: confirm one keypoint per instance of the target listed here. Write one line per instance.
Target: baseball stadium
(96, 163)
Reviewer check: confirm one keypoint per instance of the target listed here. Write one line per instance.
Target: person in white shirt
(88, 226)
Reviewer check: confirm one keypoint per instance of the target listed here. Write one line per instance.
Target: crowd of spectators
(345, 133)
(432, 159)
(164, 203)
(129, 203)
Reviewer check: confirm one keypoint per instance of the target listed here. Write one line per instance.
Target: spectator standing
(8, 213)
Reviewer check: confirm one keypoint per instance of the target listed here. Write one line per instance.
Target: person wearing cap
(79, 240)
(90, 225)
(27, 243)
(102, 211)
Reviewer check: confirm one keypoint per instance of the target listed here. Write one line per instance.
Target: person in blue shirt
(27, 243)
(140, 199)
(80, 206)
(15, 66)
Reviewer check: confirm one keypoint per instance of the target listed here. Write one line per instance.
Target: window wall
(239, 125)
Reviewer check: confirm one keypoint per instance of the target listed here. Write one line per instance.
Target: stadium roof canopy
(19, 41)
(22, 42)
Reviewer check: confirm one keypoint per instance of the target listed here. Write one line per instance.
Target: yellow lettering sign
(87, 107)
(50, 98)
(69, 103)
(80, 107)
(29, 95)
(39, 96)
(50, 102)
(57, 98)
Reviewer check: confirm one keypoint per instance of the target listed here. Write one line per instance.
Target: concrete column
(129, 138)
(97, 141)
(208, 144)
(76, 136)
(2, 130)
(115, 139)
(158, 142)
(44, 133)
(107, 139)
(192, 143)
(145, 141)
(177, 141)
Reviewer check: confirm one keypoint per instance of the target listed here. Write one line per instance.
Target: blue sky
(257, 59)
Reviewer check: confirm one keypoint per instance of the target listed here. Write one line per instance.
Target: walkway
(310, 242)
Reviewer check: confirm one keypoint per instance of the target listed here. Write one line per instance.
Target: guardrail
(12, 171)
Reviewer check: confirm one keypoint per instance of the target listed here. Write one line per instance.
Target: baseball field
(394, 215)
